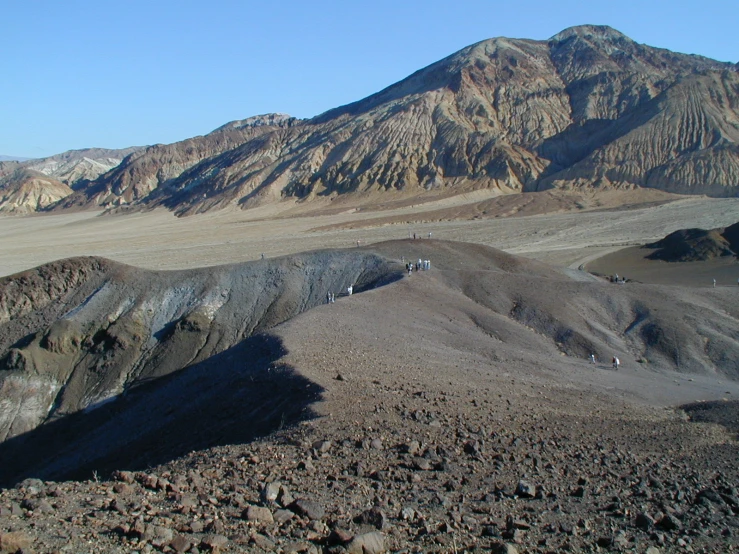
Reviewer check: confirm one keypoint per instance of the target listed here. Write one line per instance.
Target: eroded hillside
(588, 108)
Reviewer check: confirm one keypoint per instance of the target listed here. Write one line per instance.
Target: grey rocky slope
(79, 333)
(436, 416)
(589, 107)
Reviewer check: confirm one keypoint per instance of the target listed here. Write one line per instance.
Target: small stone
(369, 543)
(669, 522)
(265, 543)
(281, 516)
(339, 536)
(374, 516)
(407, 514)
(180, 544)
(258, 514)
(35, 505)
(269, 492)
(644, 521)
(157, 535)
(124, 476)
(376, 444)
(307, 508)
(422, 463)
(503, 548)
(322, 446)
(122, 488)
(412, 448)
(15, 542)
(214, 543)
(525, 490)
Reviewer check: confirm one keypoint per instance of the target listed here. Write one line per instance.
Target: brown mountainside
(149, 168)
(589, 107)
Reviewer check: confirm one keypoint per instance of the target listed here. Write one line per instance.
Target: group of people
(615, 361)
(421, 265)
(331, 297)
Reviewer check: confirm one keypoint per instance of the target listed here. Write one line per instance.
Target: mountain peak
(589, 32)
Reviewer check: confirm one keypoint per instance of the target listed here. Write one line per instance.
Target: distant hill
(690, 245)
(35, 184)
(25, 190)
(12, 158)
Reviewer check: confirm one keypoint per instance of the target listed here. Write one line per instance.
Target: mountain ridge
(588, 107)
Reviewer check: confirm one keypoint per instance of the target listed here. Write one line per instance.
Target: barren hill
(450, 409)
(687, 245)
(148, 169)
(97, 340)
(24, 190)
(588, 108)
(33, 185)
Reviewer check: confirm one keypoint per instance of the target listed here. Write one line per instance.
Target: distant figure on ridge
(714, 283)
(592, 359)
(616, 362)
(350, 289)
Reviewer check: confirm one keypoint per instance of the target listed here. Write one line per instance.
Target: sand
(158, 240)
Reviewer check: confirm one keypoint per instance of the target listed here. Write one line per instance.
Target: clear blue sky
(80, 73)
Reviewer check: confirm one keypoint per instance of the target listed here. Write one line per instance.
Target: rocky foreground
(431, 423)
(424, 471)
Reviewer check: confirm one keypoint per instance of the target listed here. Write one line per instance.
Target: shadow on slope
(723, 413)
(231, 398)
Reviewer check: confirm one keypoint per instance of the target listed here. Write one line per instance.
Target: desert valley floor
(452, 410)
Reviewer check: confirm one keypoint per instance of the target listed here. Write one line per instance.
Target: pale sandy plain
(578, 233)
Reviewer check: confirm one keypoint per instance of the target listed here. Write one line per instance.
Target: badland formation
(588, 108)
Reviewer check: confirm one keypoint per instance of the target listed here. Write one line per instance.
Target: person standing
(592, 359)
(616, 363)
